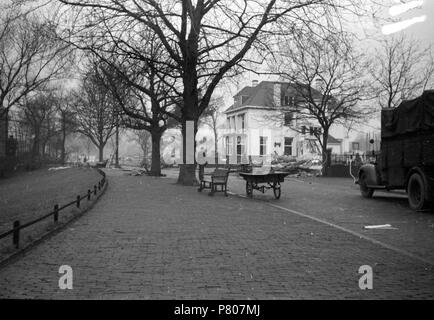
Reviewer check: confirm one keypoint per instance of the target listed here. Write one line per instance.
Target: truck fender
(371, 174)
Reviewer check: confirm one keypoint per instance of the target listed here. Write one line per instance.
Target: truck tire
(416, 192)
(364, 189)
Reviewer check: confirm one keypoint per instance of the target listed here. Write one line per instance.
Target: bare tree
(140, 89)
(30, 56)
(38, 112)
(96, 109)
(328, 81)
(143, 139)
(205, 40)
(402, 70)
(65, 102)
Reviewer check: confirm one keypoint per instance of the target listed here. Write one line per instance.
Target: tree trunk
(36, 145)
(156, 156)
(101, 152)
(117, 144)
(63, 149)
(325, 158)
(187, 171)
(3, 129)
(216, 153)
(43, 147)
(187, 175)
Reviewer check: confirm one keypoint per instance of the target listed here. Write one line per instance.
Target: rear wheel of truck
(364, 189)
(416, 192)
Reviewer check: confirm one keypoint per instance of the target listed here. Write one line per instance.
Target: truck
(406, 157)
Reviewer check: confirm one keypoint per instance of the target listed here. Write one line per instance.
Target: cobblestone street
(148, 238)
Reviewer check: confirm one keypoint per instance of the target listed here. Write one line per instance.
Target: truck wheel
(416, 192)
(364, 189)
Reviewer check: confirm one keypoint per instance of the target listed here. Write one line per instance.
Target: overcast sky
(423, 30)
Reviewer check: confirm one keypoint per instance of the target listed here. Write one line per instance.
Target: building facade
(256, 125)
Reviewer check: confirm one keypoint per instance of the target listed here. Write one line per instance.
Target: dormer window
(289, 101)
(289, 116)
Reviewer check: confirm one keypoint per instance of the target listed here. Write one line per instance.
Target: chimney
(255, 83)
(277, 94)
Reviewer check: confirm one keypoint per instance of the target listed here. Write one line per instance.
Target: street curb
(20, 252)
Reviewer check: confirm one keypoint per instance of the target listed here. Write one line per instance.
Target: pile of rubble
(301, 168)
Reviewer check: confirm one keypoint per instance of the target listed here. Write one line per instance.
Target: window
(288, 146)
(289, 101)
(262, 146)
(240, 148)
(242, 121)
(356, 146)
(229, 123)
(289, 116)
(311, 131)
(244, 99)
(229, 147)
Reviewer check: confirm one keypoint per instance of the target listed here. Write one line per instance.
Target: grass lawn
(29, 195)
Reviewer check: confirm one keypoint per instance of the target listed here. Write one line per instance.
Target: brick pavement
(149, 238)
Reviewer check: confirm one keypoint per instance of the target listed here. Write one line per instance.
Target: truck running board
(376, 187)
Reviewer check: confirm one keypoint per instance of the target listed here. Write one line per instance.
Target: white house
(256, 125)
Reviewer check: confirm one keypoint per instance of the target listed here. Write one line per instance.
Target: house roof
(262, 95)
(333, 140)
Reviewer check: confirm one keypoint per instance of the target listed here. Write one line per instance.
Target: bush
(7, 165)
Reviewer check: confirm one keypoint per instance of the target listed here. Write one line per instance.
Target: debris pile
(58, 168)
(301, 168)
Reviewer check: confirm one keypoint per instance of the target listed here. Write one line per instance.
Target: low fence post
(88, 194)
(56, 213)
(94, 190)
(78, 201)
(16, 234)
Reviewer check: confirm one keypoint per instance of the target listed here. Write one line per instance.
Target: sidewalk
(148, 238)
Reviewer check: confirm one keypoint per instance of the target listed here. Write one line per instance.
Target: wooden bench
(212, 181)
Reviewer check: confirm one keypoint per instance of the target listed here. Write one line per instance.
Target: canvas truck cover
(410, 116)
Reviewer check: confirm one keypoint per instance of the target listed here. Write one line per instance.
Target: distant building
(256, 125)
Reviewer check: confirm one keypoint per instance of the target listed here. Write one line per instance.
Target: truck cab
(406, 160)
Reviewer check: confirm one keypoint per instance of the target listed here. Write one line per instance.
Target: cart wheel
(249, 189)
(277, 192)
